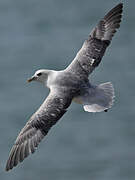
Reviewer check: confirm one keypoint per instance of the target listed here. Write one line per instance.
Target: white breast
(51, 81)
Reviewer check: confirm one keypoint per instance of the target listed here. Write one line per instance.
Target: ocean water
(38, 34)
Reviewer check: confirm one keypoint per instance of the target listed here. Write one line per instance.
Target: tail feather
(99, 98)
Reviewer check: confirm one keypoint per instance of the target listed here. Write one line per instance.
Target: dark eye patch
(39, 74)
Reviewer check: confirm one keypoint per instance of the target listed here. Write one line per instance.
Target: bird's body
(70, 84)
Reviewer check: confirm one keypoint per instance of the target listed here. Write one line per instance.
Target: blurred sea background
(38, 34)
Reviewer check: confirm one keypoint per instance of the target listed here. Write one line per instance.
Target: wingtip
(7, 168)
(112, 21)
(120, 5)
(108, 25)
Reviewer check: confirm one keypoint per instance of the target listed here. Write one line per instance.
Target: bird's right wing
(93, 49)
(38, 126)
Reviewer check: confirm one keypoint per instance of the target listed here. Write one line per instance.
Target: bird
(68, 85)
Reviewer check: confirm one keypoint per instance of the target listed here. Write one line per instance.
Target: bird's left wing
(94, 47)
(38, 126)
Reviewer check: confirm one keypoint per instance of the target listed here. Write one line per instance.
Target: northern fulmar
(70, 84)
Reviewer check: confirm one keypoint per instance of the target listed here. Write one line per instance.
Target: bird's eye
(39, 74)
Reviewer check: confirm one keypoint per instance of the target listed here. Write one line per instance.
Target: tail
(99, 98)
(107, 26)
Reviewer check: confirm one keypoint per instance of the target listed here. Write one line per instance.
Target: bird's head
(40, 76)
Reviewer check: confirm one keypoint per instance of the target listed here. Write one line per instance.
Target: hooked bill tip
(30, 79)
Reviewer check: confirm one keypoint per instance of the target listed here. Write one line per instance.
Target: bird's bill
(31, 79)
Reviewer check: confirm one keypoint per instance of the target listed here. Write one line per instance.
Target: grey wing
(94, 47)
(37, 127)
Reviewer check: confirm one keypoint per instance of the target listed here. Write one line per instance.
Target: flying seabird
(70, 84)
